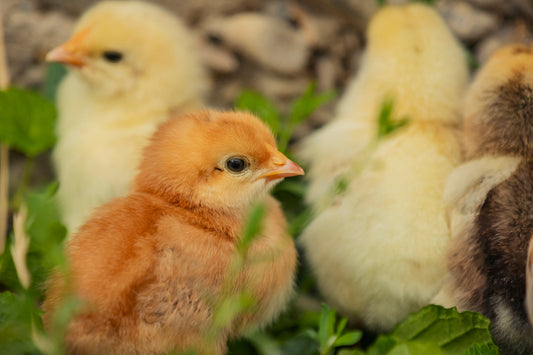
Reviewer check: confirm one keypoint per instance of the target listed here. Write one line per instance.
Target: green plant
(34, 244)
(332, 335)
(283, 126)
(437, 330)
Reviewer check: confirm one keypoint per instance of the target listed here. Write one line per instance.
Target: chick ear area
(112, 56)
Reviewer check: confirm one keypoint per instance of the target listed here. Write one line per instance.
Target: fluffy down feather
(132, 65)
(151, 266)
(378, 249)
(490, 199)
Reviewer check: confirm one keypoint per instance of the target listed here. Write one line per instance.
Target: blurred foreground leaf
(27, 121)
(386, 123)
(46, 249)
(17, 314)
(54, 74)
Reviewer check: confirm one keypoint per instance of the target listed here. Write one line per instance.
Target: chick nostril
(278, 161)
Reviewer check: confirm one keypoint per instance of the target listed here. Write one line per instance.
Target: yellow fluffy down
(378, 249)
(411, 58)
(107, 110)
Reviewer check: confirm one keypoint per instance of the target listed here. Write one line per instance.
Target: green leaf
(415, 348)
(260, 106)
(483, 349)
(386, 123)
(451, 331)
(304, 106)
(54, 74)
(230, 307)
(428, 2)
(253, 226)
(46, 234)
(349, 338)
(17, 313)
(265, 344)
(341, 326)
(27, 121)
(311, 333)
(323, 327)
(350, 352)
(294, 186)
(472, 61)
(45, 230)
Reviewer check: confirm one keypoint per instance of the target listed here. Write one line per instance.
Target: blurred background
(276, 47)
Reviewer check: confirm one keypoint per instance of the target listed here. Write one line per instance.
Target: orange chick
(152, 265)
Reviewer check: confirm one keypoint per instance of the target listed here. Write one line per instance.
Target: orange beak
(284, 167)
(69, 53)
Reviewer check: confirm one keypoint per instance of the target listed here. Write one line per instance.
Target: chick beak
(283, 167)
(68, 53)
(63, 55)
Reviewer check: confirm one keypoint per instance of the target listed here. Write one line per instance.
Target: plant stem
(27, 173)
(4, 190)
(4, 150)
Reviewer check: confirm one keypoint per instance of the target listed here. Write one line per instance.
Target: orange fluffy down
(150, 267)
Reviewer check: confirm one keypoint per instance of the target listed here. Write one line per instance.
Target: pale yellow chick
(411, 58)
(378, 250)
(132, 66)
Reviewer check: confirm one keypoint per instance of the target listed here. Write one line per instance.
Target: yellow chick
(152, 266)
(132, 65)
(378, 251)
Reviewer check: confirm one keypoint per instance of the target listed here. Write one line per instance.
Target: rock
(275, 86)
(507, 8)
(190, 10)
(515, 32)
(269, 41)
(467, 22)
(216, 57)
(327, 72)
(73, 7)
(29, 35)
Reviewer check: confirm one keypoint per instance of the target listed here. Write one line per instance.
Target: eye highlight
(112, 56)
(236, 164)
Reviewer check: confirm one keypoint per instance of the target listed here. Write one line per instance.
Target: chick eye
(112, 56)
(236, 165)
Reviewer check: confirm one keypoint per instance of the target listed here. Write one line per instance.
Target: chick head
(498, 110)
(131, 47)
(222, 160)
(414, 59)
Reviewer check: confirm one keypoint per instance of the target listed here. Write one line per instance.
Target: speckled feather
(488, 258)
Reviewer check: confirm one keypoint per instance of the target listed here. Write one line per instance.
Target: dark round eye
(235, 165)
(112, 56)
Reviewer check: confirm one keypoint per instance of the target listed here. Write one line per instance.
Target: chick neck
(118, 106)
(226, 223)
